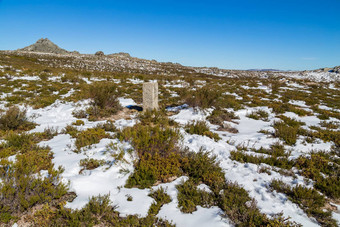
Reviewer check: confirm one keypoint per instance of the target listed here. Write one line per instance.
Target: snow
(201, 217)
(126, 102)
(109, 179)
(25, 78)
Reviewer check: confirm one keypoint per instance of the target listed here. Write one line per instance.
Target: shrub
(259, 115)
(156, 118)
(161, 198)
(189, 197)
(285, 132)
(99, 211)
(71, 130)
(272, 161)
(308, 200)
(149, 139)
(21, 189)
(201, 128)
(203, 167)
(218, 116)
(104, 100)
(79, 113)
(90, 163)
(108, 126)
(78, 123)
(204, 97)
(153, 168)
(89, 137)
(239, 207)
(15, 119)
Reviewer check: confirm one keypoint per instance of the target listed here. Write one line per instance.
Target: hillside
(47, 53)
(226, 148)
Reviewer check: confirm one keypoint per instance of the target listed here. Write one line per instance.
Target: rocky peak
(45, 46)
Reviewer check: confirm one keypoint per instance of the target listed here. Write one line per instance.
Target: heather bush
(189, 197)
(201, 128)
(15, 119)
(259, 115)
(160, 198)
(104, 100)
(308, 200)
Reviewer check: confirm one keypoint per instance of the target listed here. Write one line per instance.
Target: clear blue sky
(232, 34)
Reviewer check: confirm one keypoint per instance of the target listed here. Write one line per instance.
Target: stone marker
(150, 96)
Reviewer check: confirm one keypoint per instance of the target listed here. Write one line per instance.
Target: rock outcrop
(45, 46)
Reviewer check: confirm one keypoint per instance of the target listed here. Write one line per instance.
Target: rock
(150, 96)
(45, 46)
(99, 53)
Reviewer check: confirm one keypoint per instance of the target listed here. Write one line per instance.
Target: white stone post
(150, 96)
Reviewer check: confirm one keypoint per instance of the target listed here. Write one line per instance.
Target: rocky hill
(45, 46)
(46, 52)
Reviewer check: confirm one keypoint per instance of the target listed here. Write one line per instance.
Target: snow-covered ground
(110, 179)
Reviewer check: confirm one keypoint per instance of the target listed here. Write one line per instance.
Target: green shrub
(15, 119)
(189, 197)
(204, 97)
(79, 113)
(149, 139)
(203, 167)
(308, 200)
(21, 189)
(239, 207)
(218, 116)
(108, 126)
(201, 128)
(161, 198)
(285, 132)
(104, 100)
(90, 163)
(281, 162)
(156, 118)
(89, 137)
(78, 123)
(153, 168)
(259, 115)
(71, 130)
(99, 211)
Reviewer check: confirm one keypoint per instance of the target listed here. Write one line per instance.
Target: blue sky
(233, 34)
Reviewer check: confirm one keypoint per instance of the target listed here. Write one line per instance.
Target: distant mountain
(265, 70)
(45, 46)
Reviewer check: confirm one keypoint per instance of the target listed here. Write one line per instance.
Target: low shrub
(259, 115)
(78, 123)
(161, 198)
(285, 132)
(218, 116)
(71, 130)
(104, 100)
(153, 168)
(203, 167)
(189, 197)
(151, 139)
(204, 97)
(15, 119)
(201, 128)
(98, 211)
(89, 137)
(281, 162)
(108, 126)
(308, 200)
(90, 163)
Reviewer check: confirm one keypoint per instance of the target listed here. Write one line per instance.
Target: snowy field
(110, 178)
